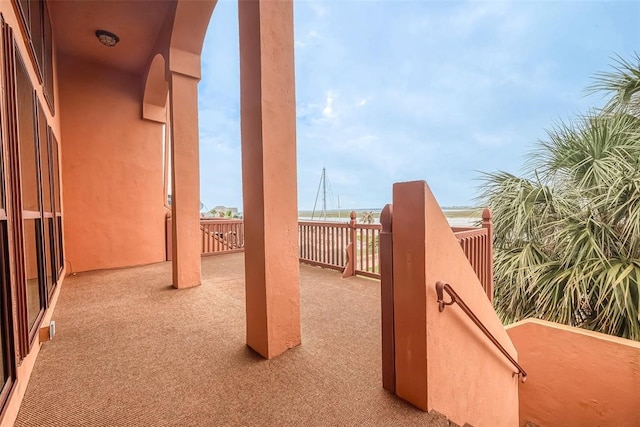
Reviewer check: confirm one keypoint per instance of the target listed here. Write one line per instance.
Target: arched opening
(156, 88)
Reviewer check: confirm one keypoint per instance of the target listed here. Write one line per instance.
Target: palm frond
(621, 85)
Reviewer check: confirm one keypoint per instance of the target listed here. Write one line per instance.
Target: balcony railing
(221, 236)
(324, 243)
(217, 236)
(477, 244)
(349, 247)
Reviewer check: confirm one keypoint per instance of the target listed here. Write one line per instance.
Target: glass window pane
(28, 169)
(24, 6)
(3, 371)
(48, 248)
(35, 12)
(48, 57)
(56, 172)
(2, 194)
(60, 252)
(31, 263)
(4, 282)
(44, 161)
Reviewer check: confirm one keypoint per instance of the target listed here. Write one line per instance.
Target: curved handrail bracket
(440, 293)
(441, 288)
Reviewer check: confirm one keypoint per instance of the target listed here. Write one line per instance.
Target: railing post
(488, 225)
(350, 268)
(386, 296)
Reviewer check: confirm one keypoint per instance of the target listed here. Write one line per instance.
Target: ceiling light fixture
(107, 38)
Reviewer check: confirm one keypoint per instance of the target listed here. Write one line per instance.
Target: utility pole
(324, 193)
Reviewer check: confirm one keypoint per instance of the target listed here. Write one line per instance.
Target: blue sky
(391, 91)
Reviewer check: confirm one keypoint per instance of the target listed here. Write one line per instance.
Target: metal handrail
(455, 298)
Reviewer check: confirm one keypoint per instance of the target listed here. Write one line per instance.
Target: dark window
(27, 135)
(55, 171)
(31, 243)
(14, 275)
(44, 162)
(47, 203)
(6, 336)
(7, 359)
(31, 197)
(50, 255)
(47, 58)
(23, 8)
(39, 36)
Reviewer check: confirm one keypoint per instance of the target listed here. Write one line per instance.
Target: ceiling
(136, 23)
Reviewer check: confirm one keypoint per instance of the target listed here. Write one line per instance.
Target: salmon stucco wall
(576, 377)
(111, 169)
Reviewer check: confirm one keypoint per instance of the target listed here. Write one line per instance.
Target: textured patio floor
(132, 351)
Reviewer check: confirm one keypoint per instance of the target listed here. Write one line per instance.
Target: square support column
(410, 291)
(269, 177)
(185, 179)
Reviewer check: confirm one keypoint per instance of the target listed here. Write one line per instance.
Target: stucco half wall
(576, 377)
(443, 360)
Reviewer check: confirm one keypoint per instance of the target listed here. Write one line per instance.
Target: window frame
(41, 50)
(9, 344)
(35, 215)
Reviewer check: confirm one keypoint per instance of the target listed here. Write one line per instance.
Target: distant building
(223, 211)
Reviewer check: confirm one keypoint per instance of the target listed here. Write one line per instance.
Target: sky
(392, 91)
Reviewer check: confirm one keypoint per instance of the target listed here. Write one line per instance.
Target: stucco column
(268, 115)
(185, 179)
(410, 291)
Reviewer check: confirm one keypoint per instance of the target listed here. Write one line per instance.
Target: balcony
(131, 350)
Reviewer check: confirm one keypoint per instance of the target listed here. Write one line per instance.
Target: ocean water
(462, 222)
(453, 222)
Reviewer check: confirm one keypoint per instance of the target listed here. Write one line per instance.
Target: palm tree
(567, 233)
(367, 217)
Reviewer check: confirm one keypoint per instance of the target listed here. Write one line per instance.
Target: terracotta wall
(443, 361)
(111, 169)
(576, 377)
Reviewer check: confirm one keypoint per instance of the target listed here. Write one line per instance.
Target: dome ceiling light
(107, 38)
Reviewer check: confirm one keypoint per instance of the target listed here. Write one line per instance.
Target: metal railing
(442, 287)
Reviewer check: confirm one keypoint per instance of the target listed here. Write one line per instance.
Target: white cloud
(303, 41)
(327, 111)
(363, 101)
(318, 9)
